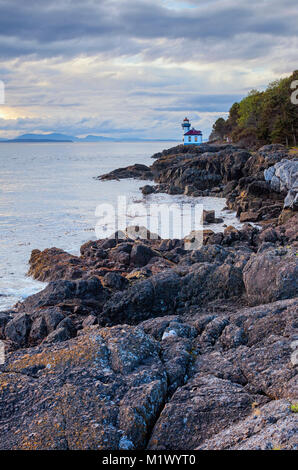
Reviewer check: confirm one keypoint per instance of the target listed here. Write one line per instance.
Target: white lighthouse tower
(190, 135)
(185, 126)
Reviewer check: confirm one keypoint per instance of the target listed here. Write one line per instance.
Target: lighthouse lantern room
(190, 135)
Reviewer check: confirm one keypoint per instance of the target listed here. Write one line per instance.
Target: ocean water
(49, 197)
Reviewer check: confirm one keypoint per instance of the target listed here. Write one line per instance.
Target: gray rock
(102, 390)
(283, 177)
(60, 334)
(4, 319)
(115, 281)
(18, 329)
(270, 276)
(38, 331)
(199, 409)
(53, 316)
(269, 427)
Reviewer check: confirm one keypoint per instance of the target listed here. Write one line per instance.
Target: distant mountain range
(56, 137)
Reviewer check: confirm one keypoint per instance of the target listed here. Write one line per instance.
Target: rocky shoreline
(141, 344)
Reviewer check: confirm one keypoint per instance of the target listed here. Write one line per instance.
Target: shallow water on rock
(48, 197)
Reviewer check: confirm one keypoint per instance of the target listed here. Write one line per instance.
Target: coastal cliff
(138, 343)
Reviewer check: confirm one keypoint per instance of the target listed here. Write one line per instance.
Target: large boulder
(152, 297)
(198, 410)
(206, 282)
(141, 255)
(4, 319)
(17, 330)
(270, 276)
(283, 178)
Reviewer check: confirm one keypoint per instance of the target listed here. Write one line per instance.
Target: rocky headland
(139, 343)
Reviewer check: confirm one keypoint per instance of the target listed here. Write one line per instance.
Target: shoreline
(150, 336)
(34, 288)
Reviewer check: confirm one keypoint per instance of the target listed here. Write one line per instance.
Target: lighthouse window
(196, 139)
(189, 139)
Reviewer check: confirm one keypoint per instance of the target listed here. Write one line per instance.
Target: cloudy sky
(137, 67)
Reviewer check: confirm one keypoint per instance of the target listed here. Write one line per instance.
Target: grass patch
(294, 408)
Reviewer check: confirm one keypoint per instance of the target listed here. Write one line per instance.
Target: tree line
(262, 117)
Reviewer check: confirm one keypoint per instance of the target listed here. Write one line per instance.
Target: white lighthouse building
(190, 135)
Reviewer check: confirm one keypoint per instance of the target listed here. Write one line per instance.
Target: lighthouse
(185, 125)
(190, 135)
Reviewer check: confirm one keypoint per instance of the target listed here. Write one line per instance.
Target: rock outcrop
(271, 275)
(283, 178)
(257, 185)
(209, 381)
(142, 343)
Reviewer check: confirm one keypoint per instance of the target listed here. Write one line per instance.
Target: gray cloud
(137, 66)
(70, 27)
(202, 103)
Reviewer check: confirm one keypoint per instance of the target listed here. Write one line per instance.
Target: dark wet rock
(209, 217)
(17, 330)
(249, 216)
(233, 336)
(271, 275)
(147, 189)
(268, 235)
(137, 232)
(115, 281)
(189, 170)
(213, 331)
(207, 254)
(155, 296)
(53, 316)
(57, 336)
(4, 319)
(63, 331)
(230, 235)
(141, 255)
(136, 171)
(38, 331)
(69, 326)
(120, 254)
(207, 282)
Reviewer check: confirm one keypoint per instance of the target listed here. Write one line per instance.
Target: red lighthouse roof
(186, 120)
(193, 132)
